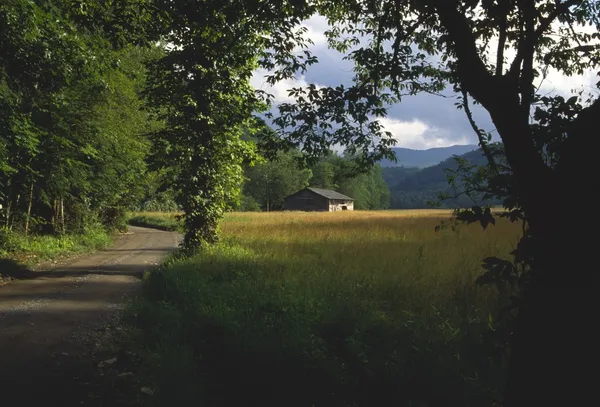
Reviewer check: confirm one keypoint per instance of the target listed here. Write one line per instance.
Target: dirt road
(53, 323)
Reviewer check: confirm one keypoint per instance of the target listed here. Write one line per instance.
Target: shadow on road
(11, 268)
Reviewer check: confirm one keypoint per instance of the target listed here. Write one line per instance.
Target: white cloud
(280, 89)
(556, 82)
(419, 135)
(316, 26)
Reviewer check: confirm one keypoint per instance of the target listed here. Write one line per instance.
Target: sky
(419, 122)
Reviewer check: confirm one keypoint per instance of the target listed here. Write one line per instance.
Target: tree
(270, 182)
(72, 143)
(392, 44)
(202, 88)
(323, 175)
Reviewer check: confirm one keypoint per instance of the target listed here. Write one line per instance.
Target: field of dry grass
(332, 309)
(400, 246)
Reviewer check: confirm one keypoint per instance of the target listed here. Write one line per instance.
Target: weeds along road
(52, 322)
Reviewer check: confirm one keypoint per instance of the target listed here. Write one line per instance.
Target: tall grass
(325, 309)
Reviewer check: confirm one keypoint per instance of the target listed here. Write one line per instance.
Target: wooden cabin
(316, 199)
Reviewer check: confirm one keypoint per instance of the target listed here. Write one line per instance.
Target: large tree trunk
(552, 360)
(551, 356)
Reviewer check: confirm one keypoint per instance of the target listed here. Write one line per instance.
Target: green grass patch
(30, 250)
(159, 221)
(324, 310)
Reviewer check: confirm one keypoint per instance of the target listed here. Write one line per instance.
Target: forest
(75, 132)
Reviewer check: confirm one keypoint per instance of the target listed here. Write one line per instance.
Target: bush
(8, 242)
(161, 202)
(114, 218)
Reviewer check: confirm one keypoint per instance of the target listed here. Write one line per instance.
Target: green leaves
(201, 89)
(498, 271)
(270, 182)
(323, 117)
(478, 214)
(71, 123)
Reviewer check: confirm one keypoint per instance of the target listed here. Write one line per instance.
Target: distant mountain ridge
(408, 157)
(412, 188)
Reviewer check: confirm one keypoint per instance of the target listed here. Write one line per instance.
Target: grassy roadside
(324, 310)
(19, 252)
(155, 220)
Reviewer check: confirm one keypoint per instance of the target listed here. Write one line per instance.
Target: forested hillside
(407, 157)
(413, 188)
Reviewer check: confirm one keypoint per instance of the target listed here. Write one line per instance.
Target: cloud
(556, 82)
(316, 26)
(419, 135)
(280, 89)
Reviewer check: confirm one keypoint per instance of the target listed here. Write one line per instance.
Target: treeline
(416, 188)
(73, 142)
(268, 183)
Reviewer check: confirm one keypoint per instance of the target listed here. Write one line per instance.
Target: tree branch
(560, 9)
(529, 41)
(472, 71)
(482, 143)
(502, 38)
(405, 34)
(542, 28)
(378, 40)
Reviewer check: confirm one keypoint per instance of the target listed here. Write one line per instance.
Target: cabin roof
(329, 194)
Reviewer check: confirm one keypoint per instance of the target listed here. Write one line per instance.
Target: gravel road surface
(52, 324)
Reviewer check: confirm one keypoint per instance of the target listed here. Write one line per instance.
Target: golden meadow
(345, 308)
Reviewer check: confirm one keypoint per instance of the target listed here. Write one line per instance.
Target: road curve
(45, 319)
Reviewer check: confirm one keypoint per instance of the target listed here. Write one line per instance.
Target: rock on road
(47, 319)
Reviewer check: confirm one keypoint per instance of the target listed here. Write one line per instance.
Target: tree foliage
(273, 180)
(344, 175)
(72, 149)
(202, 91)
(270, 182)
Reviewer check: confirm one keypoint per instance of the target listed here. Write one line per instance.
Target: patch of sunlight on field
(398, 247)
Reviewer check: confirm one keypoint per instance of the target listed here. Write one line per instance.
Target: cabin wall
(340, 205)
(306, 201)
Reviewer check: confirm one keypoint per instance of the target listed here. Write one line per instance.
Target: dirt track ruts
(48, 318)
